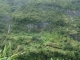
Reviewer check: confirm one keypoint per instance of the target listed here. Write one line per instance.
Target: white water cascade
(9, 28)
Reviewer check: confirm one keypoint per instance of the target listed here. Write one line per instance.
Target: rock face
(59, 8)
(40, 26)
(69, 12)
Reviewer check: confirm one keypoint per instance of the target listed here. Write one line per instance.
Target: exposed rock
(40, 26)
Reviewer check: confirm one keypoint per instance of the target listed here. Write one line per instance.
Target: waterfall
(8, 28)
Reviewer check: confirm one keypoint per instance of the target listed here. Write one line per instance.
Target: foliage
(40, 29)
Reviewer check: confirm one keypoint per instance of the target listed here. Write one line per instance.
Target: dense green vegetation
(39, 29)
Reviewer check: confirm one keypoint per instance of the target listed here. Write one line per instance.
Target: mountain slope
(43, 29)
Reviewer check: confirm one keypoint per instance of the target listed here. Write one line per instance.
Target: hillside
(40, 29)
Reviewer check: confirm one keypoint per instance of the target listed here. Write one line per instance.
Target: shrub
(67, 46)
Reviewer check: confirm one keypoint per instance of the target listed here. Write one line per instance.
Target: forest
(39, 29)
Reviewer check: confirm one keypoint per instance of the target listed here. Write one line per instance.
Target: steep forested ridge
(40, 29)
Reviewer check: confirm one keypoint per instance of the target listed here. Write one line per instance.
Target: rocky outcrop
(40, 26)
